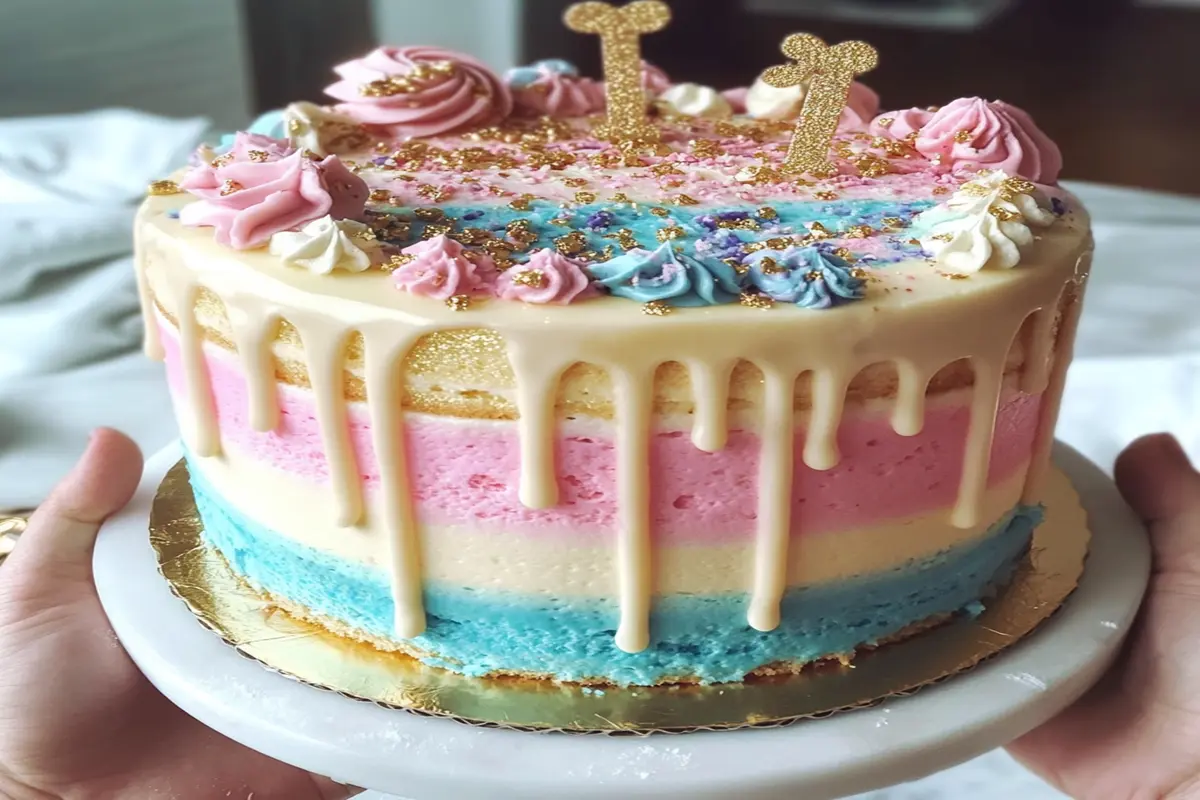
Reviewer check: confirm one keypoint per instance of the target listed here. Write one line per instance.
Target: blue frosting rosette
(810, 277)
(667, 275)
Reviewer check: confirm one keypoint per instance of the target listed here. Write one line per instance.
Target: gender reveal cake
(618, 380)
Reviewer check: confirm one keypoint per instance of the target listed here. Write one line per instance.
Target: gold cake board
(247, 621)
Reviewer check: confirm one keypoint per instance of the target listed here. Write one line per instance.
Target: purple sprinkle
(601, 219)
(707, 221)
(173, 214)
(379, 161)
(734, 215)
(1058, 205)
(472, 215)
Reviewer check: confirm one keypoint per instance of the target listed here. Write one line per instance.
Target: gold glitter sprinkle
(778, 243)
(814, 275)
(438, 194)
(933, 109)
(963, 136)
(585, 197)
(1003, 214)
(474, 236)
(660, 212)
(222, 161)
(626, 240)
(770, 266)
(656, 308)
(380, 196)
(533, 278)
(758, 174)
(571, 244)
(859, 232)
(885, 122)
(739, 224)
(767, 212)
(685, 200)
(429, 214)
(1017, 186)
(943, 237)
(738, 266)
(229, 187)
(459, 302)
(620, 30)
(894, 222)
(258, 156)
(829, 72)
(521, 203)
(434, 230)
(562, 222)
(818, 231)
(705, 148)
(844, 254)
(396, 262)
(574, 183)
(519, 231)
(673, 232)
(162, 188)
(953, 276)
(666, 168)
(756, 300)
(826, 195)
(754, 247)
(620, 197)
(940, 190)
(871, 166)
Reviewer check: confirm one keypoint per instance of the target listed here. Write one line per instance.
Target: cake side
(446, 428)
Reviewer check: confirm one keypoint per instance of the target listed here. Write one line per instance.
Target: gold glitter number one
(620, 31)
(832, 71)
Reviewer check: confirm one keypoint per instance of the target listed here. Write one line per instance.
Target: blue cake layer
(697, 637)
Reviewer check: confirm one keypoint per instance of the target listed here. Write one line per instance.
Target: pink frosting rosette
(736, 97)
(554, 88)
(440, 269)
(974, 133)
(263, 186)
(862, 105)
(420, 91)
(654, 80)
(900, 124)
(548, 277)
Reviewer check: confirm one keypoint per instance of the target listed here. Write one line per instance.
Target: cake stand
(417, 757)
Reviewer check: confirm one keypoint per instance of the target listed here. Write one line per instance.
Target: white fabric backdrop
(69, 328)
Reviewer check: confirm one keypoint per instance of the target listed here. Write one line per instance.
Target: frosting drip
(327, 244)
(985, 225)
(420, 91)
(548, 277)
(262, 186)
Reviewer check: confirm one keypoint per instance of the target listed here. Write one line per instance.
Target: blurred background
(1116, 82)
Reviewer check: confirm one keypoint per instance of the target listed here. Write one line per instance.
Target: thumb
(62, 532)
(1157, 480)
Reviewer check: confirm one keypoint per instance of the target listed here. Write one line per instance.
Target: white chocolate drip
(977, 325)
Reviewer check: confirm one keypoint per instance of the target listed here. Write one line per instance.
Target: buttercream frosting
(695, 100)
(810, 277)
(439, 268)
(548, 277)
(320, 130)
(764, 101)
(326, 244)
(985, 225)
(973, 133)
(664, 274)
(263, 186)
(553, 87)
(420, 91)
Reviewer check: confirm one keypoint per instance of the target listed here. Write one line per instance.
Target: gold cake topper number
(832, 71)
(620, 31)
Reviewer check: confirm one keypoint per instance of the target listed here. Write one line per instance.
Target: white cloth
(69, 321)
(69, 328)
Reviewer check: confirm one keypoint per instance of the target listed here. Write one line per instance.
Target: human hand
(1137, 733)
(77, 718)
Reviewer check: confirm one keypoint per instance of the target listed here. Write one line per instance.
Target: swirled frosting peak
(420, 91)
(764, 101)
(664, 274)
(554, 88)
(984, 225)
(263, 186)
(810, 277)
(973, 133)
(548, 277)
(327, 244)
(439, 268)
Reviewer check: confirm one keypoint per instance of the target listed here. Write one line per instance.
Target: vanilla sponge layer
(563, 564)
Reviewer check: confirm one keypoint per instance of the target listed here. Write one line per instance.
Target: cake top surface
(435, 186)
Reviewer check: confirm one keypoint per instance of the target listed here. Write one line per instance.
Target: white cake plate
(421, 758)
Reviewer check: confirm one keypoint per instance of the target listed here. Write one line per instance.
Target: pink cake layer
(466, 471)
